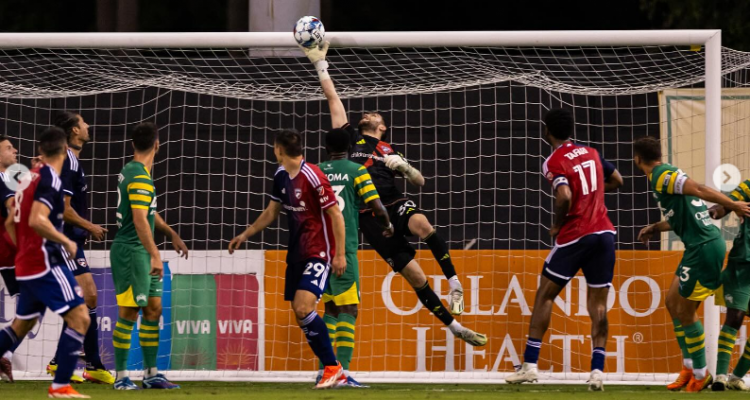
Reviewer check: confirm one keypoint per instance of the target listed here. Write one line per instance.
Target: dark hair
(144, 136)
(559, 123)
(52, 141)
(648, 148)
(337, 141)
(67, 120)
(291, 141)
(3, 137)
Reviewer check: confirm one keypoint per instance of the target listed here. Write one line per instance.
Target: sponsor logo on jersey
(297, 193)
(322, 199)
(357, 154)
(295, 209)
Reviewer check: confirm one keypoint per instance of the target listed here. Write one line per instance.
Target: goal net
(468, 117)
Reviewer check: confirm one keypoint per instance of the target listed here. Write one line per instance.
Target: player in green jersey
(681, 201)
(735, 296)
(137, 269)
(353, 187)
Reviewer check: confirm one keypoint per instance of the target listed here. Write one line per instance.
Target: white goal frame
(710, 39)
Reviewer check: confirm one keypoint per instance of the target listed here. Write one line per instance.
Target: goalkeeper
(384, 164)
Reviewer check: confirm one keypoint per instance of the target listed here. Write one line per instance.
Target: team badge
(550, 175)
(141, 297)
(321, 190)
(298, 193)
(386, 149)
(79, 291)
(81, 262)
(283, 190)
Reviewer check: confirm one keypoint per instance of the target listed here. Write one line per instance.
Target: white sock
(121, 375)
(149, 372)
(8, 354)
(699, 373)
(455, 326)
(454, 283)
(320, 372)
(56, 386)
(687, 363)
(346, 373)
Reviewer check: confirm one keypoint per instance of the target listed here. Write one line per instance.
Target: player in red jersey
(41, 269)
(316, 243)
(584, 240)
(8, 157)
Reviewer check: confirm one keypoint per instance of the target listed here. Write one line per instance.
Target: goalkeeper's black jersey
(370, 152)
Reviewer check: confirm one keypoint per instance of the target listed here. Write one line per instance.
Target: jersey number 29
(591, 165)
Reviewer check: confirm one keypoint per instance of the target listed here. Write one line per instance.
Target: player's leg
(149, 340)
(330, 317)
(123, 276)
(345, 296)
(8, 275)
(418, 225)
(734, 295)
(735, 381)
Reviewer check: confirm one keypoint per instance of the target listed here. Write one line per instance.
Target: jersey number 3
(587, 187)
(337, 189)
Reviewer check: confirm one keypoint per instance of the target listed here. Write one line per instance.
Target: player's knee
(21, 326)
(152, 312)
(420, 226)
(302, 310)
(350, 309)
(78, 319)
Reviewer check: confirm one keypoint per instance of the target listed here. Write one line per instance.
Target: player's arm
(10, 223)
(381, 214)
(40, 223)
(317, 56)
(647, 232)
(266, 218)
(703, 192)
(174, 237)
(741, 193)
(339, 234)
(143, 229)
(563, 202)
(397, 163)
(612, 178)
(70, 216)
(365, 189)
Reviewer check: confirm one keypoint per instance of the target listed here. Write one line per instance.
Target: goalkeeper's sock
(149, 339)
(432, 302)
(695, 341)
(330, 321)
(597, 358)
(531, 353)
(121, 342)
(440, 251)
(679, 333)
(315, 331)
(727, 337)
(743, 365)
(345, 339)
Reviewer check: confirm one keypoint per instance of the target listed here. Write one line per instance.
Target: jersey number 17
(591, 165)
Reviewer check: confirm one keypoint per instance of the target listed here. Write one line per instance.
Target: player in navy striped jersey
(8, 157)
(78, 228)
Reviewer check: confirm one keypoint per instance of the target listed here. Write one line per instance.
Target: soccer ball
(309, 31)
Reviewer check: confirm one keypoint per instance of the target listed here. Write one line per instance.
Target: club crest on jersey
(386, 149)
(283, 190)
(141, 297)
(321, 190)
(550, 175)
(298, 193)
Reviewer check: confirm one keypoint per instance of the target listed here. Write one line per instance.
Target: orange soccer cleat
(686, 375)
(331, 376)
(65, 392)
(696, 386)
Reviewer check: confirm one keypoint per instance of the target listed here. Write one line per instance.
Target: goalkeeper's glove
(397, 163)
(317, 56)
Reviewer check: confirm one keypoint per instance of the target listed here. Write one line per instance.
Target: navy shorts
(311, 275)
(9, 278)
(56, 290)
(593, 254)
(79, 265)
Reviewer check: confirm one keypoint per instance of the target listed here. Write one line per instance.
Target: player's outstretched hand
(157, 268)
(72, 248)
(742, 209)
(237, 242)
(646, 233)
(98, 232)
(717, 212)
(339, 265)
(317, 53)
(396, 162)
(179, 246)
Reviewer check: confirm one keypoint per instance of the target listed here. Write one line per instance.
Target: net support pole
(711, 312)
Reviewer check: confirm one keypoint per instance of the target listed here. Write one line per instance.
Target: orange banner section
(395, 333)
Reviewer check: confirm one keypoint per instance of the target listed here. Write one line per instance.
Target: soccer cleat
(595, 381)
(319, 377)
(65, 392)
(99, 375)
(351, 382)
(471, 337)
(6, 370)
(331, 376)
(735, 383)
(126, 384)
(159, 381)
(686, 375)
(720, 383)
(456, 297)
(696, 386)
(525, 373)
(52, 368)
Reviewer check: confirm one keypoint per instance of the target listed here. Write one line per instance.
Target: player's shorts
(699, 271)
(7, 252)
(735, 286)
(9, 278)
(310, 275)
(593, 254)
(131, 268)
(395, 250)
(79, 265)
(344, 290)
(56, 290)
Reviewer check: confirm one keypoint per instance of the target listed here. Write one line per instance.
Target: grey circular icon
(17, 177)
(727, 177)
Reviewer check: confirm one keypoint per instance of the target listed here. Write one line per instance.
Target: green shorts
(735, 289)
(131, 267)
(344, 290)
(700, 269)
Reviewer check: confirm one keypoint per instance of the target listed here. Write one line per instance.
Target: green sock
(679, 332)
(345, 339)
(330, 321)
(149, 337)
(695, 341)
(727, 337)
(743, 365)
(121, 342)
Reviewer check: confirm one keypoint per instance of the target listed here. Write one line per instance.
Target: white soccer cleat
(471, 337)
(456, 301)
(720, 383)
(595, 381)
(526, 373)
(735, 383)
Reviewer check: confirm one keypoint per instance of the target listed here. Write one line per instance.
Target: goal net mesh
(468, 118)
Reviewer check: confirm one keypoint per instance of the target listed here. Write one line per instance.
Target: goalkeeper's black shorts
(395, 250)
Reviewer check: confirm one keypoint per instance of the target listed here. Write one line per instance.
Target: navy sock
(68, 351)
(8, 340)
(597, 358)
(91, 343)
(531, 354)
(316, 332)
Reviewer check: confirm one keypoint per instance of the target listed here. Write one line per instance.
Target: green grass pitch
(287, 391)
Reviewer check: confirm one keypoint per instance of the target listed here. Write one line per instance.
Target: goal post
(229, 92)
